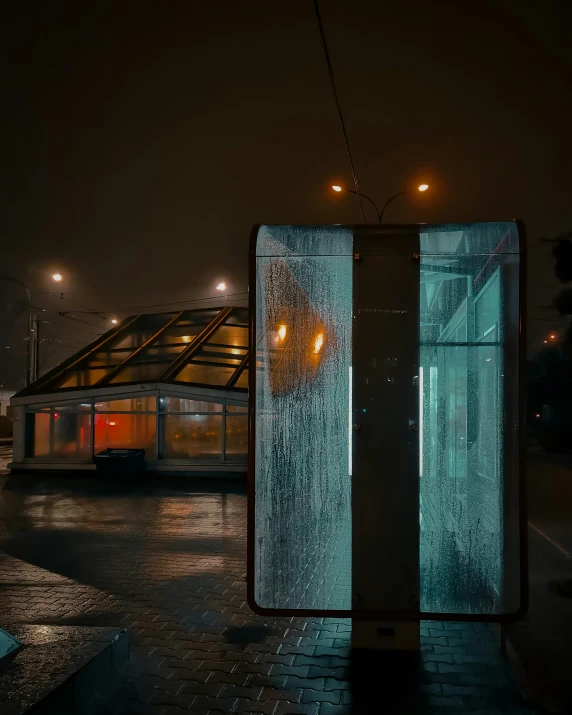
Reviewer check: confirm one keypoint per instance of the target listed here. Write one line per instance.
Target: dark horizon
(144, 141)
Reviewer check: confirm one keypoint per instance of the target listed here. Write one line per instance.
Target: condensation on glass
(303, 349)
(468, 421)
(469, 389)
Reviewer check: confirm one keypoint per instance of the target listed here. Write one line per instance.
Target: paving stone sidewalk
(168, 564)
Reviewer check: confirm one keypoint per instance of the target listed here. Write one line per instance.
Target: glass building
(387, 422)
(174, 384)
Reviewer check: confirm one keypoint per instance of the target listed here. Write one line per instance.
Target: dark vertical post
(29, 342)
(514, 524)
(385, 472)
(35, 338)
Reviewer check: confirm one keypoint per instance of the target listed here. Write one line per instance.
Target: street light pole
(379, 213)
(371, 201)
(36, 348)
(389, 200)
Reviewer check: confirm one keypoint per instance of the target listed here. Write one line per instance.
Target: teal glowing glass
(385, 421)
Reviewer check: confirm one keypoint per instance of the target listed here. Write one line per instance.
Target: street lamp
(223, 288)
(57, 277)
(338, 189)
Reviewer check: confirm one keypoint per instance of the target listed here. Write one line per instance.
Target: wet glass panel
(242, 380)
(143, 328)
(158, 354)
(72, 435)
(105, 358)
(180, 404)
(198, 317)
(469, 542)
(223, 352)
(302, 472)
(236, 435)
(179, 335)
(132, 404)
(192, 436)
(42, 434)
(81, 378)
(303, 241)
(126, 431)
(239, 316)
(236, 408)
(216, 357)
(487, 309)
(230, 335)
(205, 374)
(139, 373)
(470, 239)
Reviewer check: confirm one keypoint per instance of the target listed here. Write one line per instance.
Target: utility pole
(35, 337)
(29, 349)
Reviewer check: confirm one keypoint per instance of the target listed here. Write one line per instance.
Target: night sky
(142, 140)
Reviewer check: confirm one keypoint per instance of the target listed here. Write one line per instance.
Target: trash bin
(120, 463)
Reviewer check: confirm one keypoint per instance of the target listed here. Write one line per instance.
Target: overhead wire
(61, 296)
(67, 317)
(180, 302)
(338, 105)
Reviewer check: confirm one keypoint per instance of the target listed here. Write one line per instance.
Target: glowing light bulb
(282, 330)
(57, 277)
(423, 187)
(337, 188)
(114, 321)
(221, 286)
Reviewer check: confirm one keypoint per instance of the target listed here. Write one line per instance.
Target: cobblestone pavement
(169, 565)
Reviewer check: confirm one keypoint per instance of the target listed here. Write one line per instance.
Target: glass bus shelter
(386, 421)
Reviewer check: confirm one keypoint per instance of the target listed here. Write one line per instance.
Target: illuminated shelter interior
(174, 384)
(386, 421)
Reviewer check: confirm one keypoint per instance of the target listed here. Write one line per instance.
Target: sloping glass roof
(205, 348)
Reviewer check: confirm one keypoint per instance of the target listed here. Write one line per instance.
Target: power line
(78, 320)
(339, 108)
(68, 317)
(179, 302)
(61, 296)
(103, 313)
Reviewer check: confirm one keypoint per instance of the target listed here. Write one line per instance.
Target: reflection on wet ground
(168, 564)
